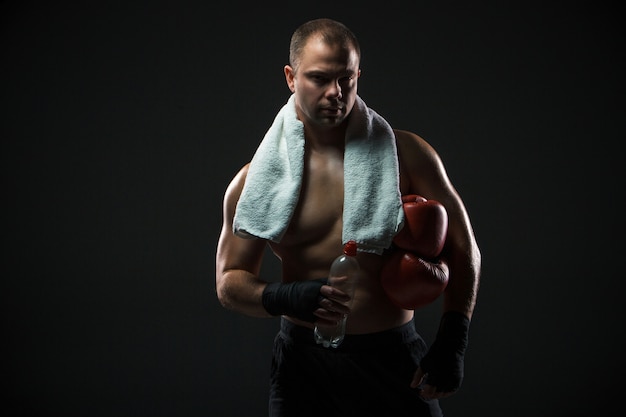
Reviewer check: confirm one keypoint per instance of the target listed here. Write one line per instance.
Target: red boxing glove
(412, 282)
(425, 226)
(411, 276)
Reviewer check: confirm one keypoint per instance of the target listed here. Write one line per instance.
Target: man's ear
(289, 77)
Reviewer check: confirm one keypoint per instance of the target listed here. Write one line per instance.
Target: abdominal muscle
(371, 310)
(314, 239)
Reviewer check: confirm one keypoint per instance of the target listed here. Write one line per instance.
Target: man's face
(325, 83)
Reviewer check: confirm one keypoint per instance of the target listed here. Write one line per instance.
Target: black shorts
(367, 375)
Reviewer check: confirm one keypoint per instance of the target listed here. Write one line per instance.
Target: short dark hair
(331, 31)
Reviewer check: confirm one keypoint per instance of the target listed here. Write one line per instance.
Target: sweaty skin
(325, 88)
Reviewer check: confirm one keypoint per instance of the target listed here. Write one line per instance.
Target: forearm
(462, 289)
(443, 364)
(241, 291)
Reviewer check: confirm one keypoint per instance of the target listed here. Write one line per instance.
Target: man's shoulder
(414, 148)
(407, 140)
(236, 183)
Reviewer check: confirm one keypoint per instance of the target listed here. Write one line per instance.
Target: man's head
(331, 32)
(323, 70)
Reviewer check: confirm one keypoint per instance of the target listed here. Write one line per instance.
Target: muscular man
(383, 365)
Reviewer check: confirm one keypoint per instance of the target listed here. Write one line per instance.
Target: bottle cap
(350, 248)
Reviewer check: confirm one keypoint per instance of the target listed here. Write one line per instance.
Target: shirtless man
(323, 72)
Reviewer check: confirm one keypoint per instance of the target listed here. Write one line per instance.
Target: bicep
(428, 178)
(234, 252)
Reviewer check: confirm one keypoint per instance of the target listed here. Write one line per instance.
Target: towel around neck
(372, 213)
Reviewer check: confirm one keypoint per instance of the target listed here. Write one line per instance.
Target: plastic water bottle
(343, 275)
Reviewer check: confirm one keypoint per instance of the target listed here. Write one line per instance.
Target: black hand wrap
(444, 360)
(297, 299)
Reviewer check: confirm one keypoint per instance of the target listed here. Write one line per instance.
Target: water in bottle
(343, 274)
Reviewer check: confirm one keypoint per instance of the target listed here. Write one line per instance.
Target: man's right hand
(298, 299)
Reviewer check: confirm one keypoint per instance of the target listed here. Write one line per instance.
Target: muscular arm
(426, 176)
(237, 267)
(238, 261)
(441, 370)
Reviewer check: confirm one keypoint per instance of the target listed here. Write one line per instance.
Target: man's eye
(346, 81)
(319, 79)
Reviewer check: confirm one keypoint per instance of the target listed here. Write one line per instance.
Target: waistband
(370, 341)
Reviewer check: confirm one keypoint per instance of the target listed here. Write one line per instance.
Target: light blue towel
(372, 212)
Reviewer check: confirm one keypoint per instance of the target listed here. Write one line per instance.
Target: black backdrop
(122, 123)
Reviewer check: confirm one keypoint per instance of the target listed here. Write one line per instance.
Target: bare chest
(319, 212)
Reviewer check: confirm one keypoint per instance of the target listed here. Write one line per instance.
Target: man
(383, 365)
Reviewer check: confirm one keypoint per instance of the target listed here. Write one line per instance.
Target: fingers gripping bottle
(343, 275)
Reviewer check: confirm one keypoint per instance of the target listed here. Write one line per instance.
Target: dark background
(123, 122)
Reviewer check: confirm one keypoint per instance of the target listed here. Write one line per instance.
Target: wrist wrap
(445, 359)
(298, 299)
